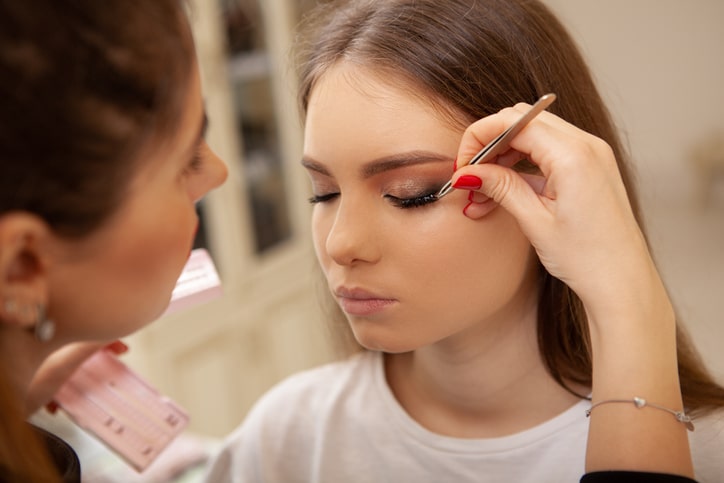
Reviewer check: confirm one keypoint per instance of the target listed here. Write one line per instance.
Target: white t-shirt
(341, 423)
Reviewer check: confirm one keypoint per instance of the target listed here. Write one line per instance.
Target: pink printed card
(110, 401)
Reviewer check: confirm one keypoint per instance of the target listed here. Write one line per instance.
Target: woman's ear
(24, 242)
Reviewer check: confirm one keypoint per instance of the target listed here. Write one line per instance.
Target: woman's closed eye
(196, 162)
(314, 199)
(400, 202)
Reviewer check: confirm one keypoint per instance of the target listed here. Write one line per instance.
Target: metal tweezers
(500, 143)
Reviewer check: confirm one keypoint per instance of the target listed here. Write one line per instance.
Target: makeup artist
(102, 159)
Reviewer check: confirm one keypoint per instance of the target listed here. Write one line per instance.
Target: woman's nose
(351, 238)
(215, 173)
(219, 171)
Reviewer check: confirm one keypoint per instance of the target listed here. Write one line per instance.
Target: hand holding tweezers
(500, 143)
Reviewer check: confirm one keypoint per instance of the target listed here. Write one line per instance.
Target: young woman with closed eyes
(485, 323)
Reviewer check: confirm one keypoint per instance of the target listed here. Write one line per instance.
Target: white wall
(660, 65)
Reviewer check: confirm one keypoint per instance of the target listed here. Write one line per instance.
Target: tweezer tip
(444, 190)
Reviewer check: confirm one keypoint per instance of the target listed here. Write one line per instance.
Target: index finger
(502, 142)
(479, 134)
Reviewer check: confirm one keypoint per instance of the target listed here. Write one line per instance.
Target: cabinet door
(217, 359)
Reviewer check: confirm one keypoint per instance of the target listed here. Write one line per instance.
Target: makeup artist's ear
(24, 241)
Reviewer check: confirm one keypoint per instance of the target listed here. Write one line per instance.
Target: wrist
(632, 301)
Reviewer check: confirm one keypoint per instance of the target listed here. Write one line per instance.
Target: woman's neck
(487, 382)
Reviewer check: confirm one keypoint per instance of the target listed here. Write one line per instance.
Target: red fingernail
(468, 182)
(465, 210)
(471, 199)
(52, 407)
(455, 165)
(117, 347)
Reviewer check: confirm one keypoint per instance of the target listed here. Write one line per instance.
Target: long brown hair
(86, 85)
(472, 58)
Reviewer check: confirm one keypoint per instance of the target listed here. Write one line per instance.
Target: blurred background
(660, 66)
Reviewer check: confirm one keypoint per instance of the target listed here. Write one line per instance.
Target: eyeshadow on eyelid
(418, 185)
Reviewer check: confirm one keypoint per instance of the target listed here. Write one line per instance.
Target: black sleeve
(632, 477)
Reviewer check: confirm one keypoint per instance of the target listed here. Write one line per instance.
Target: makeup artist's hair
(470, 59)
(86, 86)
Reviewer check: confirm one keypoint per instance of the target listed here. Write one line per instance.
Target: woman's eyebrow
(313, 165)
(385, 163)
(402, 160)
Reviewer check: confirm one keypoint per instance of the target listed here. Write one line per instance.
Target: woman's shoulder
(294, 408)
(276, 434)
(312, 392)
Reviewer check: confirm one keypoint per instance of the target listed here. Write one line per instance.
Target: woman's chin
(378, 343)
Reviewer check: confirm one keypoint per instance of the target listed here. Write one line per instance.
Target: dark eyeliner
(415, 201)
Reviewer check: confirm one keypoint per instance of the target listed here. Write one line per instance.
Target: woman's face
(407, 273)
(121, 277)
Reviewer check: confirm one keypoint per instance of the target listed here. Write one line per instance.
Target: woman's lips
(360, 302)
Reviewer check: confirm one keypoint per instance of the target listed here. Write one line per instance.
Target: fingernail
(52, 407)
(117, 347)
(468, 182)
(471, 202)
(455, 165)
(465, 210)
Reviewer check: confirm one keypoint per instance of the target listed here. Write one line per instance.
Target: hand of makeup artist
(579, 220)
(58, 367)
(577, 215)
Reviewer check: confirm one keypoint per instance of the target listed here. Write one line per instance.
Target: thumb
(116, 347)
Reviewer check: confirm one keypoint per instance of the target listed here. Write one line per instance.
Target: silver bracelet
(640, 402)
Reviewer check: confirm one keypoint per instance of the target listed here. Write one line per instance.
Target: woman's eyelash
(404, 203)
(322, 198)
(415, 201)
(196, 162)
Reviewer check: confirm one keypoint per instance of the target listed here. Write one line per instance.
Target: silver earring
(45, 328)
